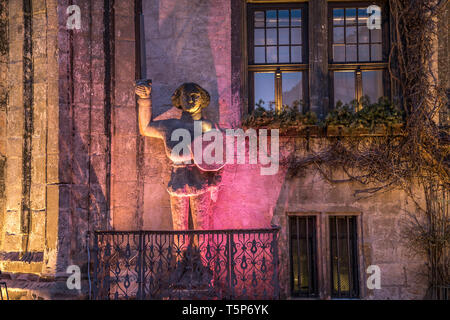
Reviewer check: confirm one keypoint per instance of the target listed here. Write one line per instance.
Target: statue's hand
(143, 91)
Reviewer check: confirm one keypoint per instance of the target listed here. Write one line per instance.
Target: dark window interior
(303, 256)
(344, 257)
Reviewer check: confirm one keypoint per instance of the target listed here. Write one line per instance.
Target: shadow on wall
(83, 203)
(179, 36)
(179, 49)
(190, 41)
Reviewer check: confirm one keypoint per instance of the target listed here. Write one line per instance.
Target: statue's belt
(183, 165)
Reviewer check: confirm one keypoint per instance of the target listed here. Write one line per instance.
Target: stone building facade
(72, 160)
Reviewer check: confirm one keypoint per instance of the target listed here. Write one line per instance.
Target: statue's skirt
(190, 180)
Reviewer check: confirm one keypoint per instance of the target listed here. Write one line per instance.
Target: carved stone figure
(190, 187)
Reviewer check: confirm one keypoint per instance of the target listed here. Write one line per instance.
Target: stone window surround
(278, 68)
(318, 97)
(323, 262)
(357, 67)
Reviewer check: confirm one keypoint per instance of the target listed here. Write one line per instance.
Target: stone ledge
(26, 286)
(20, 257)
(20, 266)
(316, 131)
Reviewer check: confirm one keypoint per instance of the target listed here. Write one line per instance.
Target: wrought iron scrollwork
(217, 264)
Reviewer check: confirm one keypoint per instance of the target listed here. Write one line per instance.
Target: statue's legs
(180, 212)
(180, 220)
(200, 209)
(201, 218)
(199, 206)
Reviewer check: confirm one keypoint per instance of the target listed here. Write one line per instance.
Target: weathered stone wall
(185, 41)
(4, 48)
(72, 159)
(381, 220)
(191, 42)
(57, 149)
(127, 147)
(29, 128)
(82, 145)
(29, 68)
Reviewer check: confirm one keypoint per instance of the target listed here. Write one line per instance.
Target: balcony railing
(217, 264)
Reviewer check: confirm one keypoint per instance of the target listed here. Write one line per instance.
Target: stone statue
(191, 188)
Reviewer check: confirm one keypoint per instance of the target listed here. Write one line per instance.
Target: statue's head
(190, 97)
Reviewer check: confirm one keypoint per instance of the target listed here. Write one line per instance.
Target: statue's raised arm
(144, 91)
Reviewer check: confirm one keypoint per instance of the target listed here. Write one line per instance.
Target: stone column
(29, 139)
(3, 104)
(12, 234)
(318, 57)
(127, 152)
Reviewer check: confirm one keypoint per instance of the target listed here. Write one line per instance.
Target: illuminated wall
(29, 142)
(72, 159)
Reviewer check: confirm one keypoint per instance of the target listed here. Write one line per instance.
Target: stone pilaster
(4, 51)
(318, 57)
(126, 141)
(14, 131)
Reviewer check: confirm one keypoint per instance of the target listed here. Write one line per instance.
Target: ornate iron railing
(217, 264)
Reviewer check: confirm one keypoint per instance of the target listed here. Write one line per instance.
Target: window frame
(359, 67)
(354, 268)
(324, 251)
(279, 68)
(313, 268)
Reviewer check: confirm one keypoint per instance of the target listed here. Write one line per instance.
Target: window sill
(332, 130)
(377, 131)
